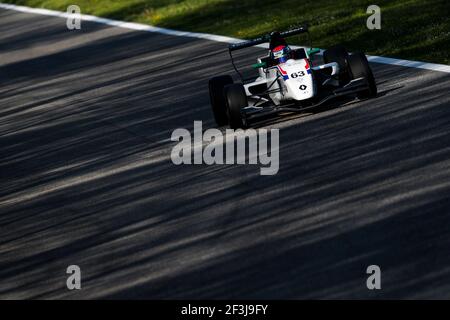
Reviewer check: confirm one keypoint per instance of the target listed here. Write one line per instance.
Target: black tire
(236, 99)
(217, 97)
(338, 54)
(359, 68)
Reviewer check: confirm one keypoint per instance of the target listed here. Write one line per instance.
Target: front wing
(253, 113)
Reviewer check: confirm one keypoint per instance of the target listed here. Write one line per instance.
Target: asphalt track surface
(86, 178)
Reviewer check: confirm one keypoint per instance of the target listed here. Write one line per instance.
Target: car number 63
(298, 74)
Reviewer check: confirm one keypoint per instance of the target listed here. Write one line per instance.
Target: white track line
(212, 37)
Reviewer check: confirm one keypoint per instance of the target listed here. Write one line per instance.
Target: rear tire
(236, 99)
(359, 68)
(217, 97)
(338, 54)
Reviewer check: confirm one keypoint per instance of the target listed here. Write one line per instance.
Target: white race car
(288, 81)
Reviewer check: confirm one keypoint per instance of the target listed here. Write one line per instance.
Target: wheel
(338, 54)
(236, 99)
(359, 68)
(216, 95)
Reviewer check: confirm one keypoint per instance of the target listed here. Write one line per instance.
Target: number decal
(298, 74)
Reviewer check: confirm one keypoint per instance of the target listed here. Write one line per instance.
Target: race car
(288, 81)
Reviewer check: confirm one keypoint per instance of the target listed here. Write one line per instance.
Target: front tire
(338, 54)
(359, 68)
(217, 97)
(236, 100)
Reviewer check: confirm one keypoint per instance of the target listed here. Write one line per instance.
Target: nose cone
(298, 80)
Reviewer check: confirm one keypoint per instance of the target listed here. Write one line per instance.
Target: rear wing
(265, 38)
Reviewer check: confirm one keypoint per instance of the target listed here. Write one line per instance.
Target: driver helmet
(281, 53)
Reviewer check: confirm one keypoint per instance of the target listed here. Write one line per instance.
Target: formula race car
(288, 81)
